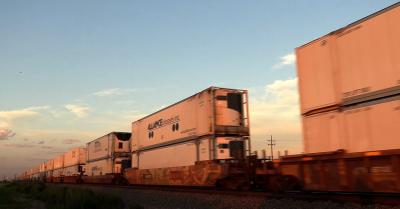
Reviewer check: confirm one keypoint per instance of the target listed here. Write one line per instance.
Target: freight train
(349, 83)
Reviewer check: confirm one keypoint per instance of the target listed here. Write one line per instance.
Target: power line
(272, 144)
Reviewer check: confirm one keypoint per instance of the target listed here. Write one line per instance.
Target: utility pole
(272, 144)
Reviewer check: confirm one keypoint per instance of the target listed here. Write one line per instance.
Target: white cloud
(108, 92)
(6, 133)
(21, 113)
(113, 92)
(276, 112)
(287, 60)
(78, 110)
(8, 116)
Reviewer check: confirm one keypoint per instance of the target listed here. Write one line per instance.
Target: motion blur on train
(349, 85)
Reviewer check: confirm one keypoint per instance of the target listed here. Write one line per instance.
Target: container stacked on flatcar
(49, 168)
(34, 173)
(58, 168)
(107, 157)
(42, 171)
(349, 83)
(181, 144)
(74, 164)
(350, 102)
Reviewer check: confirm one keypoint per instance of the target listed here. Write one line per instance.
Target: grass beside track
(10, 200)
(22, 195)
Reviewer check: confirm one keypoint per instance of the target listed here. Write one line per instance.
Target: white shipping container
(367, 127)
(105, 166)
(75, 156)
(106, 154)
(212, 111)
(50, 165)
(42, 167)
(58, 162)
(357, 63)
(375, 127)
(74, 170)
(35, 172)
(108, 146)
(58, 172)
(317, 74)
(368, 54)
(323, 132)
(188, 153)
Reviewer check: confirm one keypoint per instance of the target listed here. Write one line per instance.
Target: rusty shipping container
(363, 127)
(357, 63)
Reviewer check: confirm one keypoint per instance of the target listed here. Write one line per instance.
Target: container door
(229, 109)
(236, 149)
(125, 164)
(235, 102)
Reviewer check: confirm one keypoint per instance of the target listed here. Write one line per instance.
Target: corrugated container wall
(42, 167)
(75, 156)
(366, 127)
(58, 162)
(373, 126)
(369, 55)
(106, 154)
(50, 165)
(317, 75)
(212, 111)
(361, 60)
(106, 146)
(349, 82)
(323, 132)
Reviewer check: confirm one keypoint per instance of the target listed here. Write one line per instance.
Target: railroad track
(362, 198)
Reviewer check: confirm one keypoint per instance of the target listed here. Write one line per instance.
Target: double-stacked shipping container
(350, 103)
(167, 145)
(49, 167)
(74, 161)
(74, 164)
(107, 157)
(349, 83)
(58, 166)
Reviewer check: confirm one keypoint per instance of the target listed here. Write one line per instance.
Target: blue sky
(74, 70)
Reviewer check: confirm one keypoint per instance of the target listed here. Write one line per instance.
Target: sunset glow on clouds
(276, 112)
(78, 110)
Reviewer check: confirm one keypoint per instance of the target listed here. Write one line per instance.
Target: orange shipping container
(359, 61)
